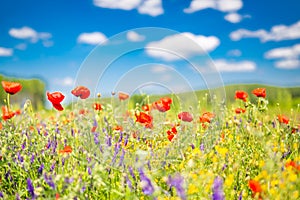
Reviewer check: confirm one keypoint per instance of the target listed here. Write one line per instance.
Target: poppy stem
(8, 102)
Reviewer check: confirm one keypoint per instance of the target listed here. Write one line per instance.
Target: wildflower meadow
(102, 148)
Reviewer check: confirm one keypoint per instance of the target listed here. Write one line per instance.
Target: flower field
(103, 150)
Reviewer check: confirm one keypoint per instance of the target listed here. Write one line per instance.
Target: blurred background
(43, 44)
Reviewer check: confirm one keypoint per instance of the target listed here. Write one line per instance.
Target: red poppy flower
(83, 112)
(283, 119)
(146, 107)
(144, 119)
(56, 98)
(166, 100)
(18, 112)
(163, 104)
(171, 133)
(118, 128)
(67, 149)
(123, 96)
(56, 196)
(97, 106)
(291, 163)
(11, 87)
(240, 110)
(58, 107)
(81, 91)
(241, 95)
(7, 114)
(185, 116)
(93, 130)
(255, 186)
(259, 92)
(206, 117)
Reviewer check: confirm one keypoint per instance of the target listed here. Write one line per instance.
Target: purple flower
(83, 189)
(202, 147)
(1, 195)
(69, 180)
(49, 181)
(96, 139)
(41, 168)
(17, 196)
(131, 172)
(218, 189)
(20, 158)
(52, 167)
(128, 182)
(273, 124)
(147, 186)
(7, 175)
(23, 145)
(224, 167)
(241, 196)
(108, 141)
(177, 182)
(30, 188)
(122, 157)
(193, 146)
(57, 129)
(95, 123)
(89, 171)
(72, 132)
(63, 161)
(126, 140)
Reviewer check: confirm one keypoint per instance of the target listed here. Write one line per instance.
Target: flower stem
(8, 102)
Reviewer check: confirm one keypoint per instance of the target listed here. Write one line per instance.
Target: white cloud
(233, 17)
(235, 53)
(284, 52)
(242, 66)
(183, 44)
(277, 33)
(149, 7)
(288, 57)
(23, 33)
(65, 82)
(93, 38)
(159, 69)
(22, 46)
(118, 4)
(134, 36)
(28, 33)
(288, 64)
(4, 52)
(221, 5)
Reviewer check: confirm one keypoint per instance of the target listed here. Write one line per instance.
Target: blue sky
(246, 41)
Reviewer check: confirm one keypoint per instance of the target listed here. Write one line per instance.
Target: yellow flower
(274, 183)
(229, 180)
(192, 189)
(295, 195)
(295, 146)
(264, 174)
(214, 159)
(273, 192)
(292, 177)
(261, 163)
(193, 175)
(222, 151)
